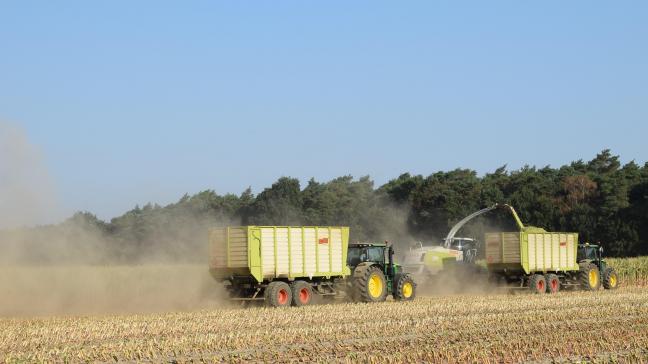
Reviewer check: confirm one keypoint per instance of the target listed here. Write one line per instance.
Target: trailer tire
(610, 279)
(369, 284)
(302, 293)
(553, 283)
(405, 287)
(537, 283)
(589, 277)
(278, 294)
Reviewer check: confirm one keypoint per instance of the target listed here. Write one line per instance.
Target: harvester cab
(376, 275)
(469, 248)
(594, 269)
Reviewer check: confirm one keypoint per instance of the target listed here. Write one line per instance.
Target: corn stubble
(571, 326)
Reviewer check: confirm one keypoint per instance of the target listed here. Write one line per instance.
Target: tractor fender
(361, 268)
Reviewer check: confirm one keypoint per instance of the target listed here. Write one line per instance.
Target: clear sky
(138, 101)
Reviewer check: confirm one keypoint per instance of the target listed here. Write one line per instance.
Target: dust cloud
(456, 278)
(26, 192)
(75, 267)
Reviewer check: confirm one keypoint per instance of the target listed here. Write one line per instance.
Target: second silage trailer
(546, 261)
(284, 265)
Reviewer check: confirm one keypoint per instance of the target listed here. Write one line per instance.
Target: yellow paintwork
(375, 286)
(593, 278)
(613, 280)
(407, 290)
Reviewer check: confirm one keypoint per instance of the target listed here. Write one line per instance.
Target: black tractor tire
(589, 277)
(369, 284)
(537, 283)
(610, 279)
(553, 283)
(302, 293)
(278, 294)
(401, 290)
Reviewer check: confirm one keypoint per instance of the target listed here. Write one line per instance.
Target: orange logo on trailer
(323, 240)
(563, 243)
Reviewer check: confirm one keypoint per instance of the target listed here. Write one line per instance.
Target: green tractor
(375, 275)
(593, 267)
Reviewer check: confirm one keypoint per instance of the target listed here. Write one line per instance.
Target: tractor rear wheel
(610, 279)
(553, 283)
(369, 284)
(302, 293)
(537, 283)
(404, 287)
(278, 294)
(590, 277)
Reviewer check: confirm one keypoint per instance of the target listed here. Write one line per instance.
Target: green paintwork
(597, 251)
(254, 252)
(437, 258)
(518, 221)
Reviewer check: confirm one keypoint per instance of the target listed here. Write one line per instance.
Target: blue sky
(136, 101)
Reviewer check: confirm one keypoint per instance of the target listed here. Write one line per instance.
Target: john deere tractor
(593, 268)
(375, 275)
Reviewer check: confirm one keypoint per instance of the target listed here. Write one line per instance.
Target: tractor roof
(362, 245)
(586, 245)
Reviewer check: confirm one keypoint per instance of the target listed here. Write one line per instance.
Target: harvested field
(602, 326)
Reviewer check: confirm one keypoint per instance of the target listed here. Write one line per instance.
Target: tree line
(601, 199)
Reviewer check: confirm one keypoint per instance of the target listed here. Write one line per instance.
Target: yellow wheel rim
(593, 278)
(375, 286)
(613, 280)
(407, 290)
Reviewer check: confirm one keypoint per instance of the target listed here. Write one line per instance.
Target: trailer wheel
(537, 283)
(369, 284)
(610, 279)
(302, 293)
(405, 287)
(278, 294)
(590, 277)
(553, 283)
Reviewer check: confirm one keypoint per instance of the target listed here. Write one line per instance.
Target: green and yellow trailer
(284, 265)
(280, 264)
(546, 261)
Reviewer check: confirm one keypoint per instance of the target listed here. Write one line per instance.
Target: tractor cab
(591, 253)
(369, 252)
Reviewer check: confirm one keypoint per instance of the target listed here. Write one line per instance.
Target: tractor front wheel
(278, 294)
(590, 277)
(610, 279)
(369, 284)
(537, 283)
(404, 288)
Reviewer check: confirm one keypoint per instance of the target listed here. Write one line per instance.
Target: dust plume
(76, 267)
(451, 276)
(26, 193)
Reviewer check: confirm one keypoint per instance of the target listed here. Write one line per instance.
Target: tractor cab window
(353, 256)
(375, 254)
(356, 256)
(587, 252)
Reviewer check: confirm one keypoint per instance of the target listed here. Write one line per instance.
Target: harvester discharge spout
(460, 224)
